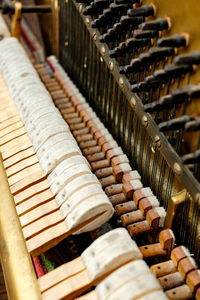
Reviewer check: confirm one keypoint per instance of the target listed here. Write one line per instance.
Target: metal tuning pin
(175, 124)
(158, 24)
(193, 125)
(191, 158)
(153, 107)
(149, 34)
(95, 7)
(103, 19)
(192, 58)
(107, 15)
(128, 46)
(145, 11)
(175, 71)
(146, 59)
(134, 67)
(175, 41)
(159, 54)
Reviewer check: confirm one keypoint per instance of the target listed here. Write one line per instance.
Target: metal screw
(111, 66)
(94, 36)
(121, 82)
(144, 121)
(177, 168)
(80, 8)
(103, 50)
(133, 102)
(197, 198)
(157, 141)
(66, 44)
(87, 21)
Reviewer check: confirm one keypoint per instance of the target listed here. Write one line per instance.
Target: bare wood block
(69, 116)
(113, 189)
(34, 201)
(67, 110)
(77, 126)
(70, 288)
(10, 128)
(163, 268)
(186, 265)
(89, 296)
(61, 273)
(145, 205)
(18, 167)
(87, 144)
(41, 224)
(132, 175)
(193, 280)
(171, 281)
(178, 254)
(80, 131)
(18, 157)
(74, 121)
(91, 150)
(38, 212)
(117, 199)
(140, 194)
(120, 159)
(152, 250)
(11, 121)
(167, 239)
(106, 181)
(15, 147)
(84, 138)
(132, 217)
(100, 164)
(31, 191)
(120, 170)
(139, 228)
(95, 157)
(180, 293)
(130, 187)
(27, 181)
(24, 173)
(125, 207)
(103, 172)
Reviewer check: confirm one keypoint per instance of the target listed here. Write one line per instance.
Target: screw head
(111, 66)
(87, 21)
(144, 121)
(157, 141)
(94, 36)
(177, 168)
(103, 50)
(80, 8)
(121, 82)
(133, 102)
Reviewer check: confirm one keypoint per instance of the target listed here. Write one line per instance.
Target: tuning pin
(103, 19)
(175, 41)
(193, 125)
(117, 8)
(131, 20)
(142, 34)
(159, 54)
(134, 43)
(192, 58)
(158, 24)
(145, 10)
(153, 107)
(95, 7)
(191, 158)
(134, 67)
(175, 124)
(146, 59)
(174, 71)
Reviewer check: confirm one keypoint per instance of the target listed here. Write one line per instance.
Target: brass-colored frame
(19, 275)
